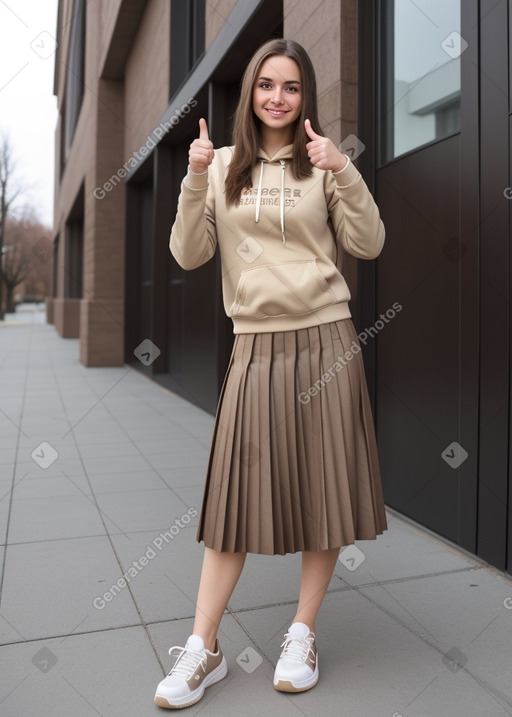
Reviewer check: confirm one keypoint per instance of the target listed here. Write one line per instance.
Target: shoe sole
(287, 686)
(218, 674)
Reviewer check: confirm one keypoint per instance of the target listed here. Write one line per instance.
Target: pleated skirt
(293, 463)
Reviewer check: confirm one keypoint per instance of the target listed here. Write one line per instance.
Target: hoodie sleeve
(193, 235)
(354, 214)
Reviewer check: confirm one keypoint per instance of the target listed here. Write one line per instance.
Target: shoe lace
(297, 648)
(187, 661)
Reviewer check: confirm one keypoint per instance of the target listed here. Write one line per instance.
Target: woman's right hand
(200, 155)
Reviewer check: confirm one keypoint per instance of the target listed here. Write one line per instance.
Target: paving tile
(146, 480)
(115, 464)
(102, 673)
(192, 495)
(113, 448)
(157, 431)
(394, 555)
(87, 435)
(461, 614)
(30, 468)
(7, 453)
(371, 665)
(140, 510)
(48, 486)
(165, 583)
(180, 459)
(5, 503)
(63, 516)
(153, 447)
(192, 476)
(50, 587)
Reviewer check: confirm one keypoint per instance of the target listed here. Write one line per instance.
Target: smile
(277, 113)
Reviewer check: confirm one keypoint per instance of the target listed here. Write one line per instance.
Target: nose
(277, 99)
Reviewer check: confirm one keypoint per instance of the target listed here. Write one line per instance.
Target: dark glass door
(427, 183)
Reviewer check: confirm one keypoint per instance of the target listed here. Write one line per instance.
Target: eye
(293, 89)
(264, 85)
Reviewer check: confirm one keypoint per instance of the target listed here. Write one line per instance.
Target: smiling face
(277, 92)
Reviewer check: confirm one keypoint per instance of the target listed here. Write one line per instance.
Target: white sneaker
(195, 669)
(297, 668)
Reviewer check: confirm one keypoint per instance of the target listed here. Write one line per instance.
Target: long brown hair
(246, 134)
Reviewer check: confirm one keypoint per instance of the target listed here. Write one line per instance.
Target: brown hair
(246, 133)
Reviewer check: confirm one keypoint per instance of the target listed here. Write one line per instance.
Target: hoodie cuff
(346, 176)
(196, 181)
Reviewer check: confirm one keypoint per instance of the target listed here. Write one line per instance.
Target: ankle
(210, 642)
(310, 624)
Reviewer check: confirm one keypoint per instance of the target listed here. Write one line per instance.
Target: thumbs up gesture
(200, 155)
(322, 152)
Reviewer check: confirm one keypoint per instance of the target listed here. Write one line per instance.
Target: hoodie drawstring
(281, 198)
(258, 197)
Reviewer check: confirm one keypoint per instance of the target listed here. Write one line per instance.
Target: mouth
(276, 113)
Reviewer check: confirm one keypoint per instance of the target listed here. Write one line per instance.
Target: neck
(272, 140)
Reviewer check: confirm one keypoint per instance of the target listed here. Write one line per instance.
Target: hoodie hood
(285, 153)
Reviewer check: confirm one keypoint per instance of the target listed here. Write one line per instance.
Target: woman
(293, 463)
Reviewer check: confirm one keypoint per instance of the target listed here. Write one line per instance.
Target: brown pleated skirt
(293, 463)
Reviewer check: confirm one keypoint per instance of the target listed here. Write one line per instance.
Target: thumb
(203, 129)
(309, 130)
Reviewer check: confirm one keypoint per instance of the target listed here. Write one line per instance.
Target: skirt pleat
(293, 462)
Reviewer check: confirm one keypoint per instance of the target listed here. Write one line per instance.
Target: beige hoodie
(278, 246)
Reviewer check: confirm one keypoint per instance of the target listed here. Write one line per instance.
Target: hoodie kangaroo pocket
(293, 288)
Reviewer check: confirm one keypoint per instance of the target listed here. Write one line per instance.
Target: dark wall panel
(418, 368)
(494, 281)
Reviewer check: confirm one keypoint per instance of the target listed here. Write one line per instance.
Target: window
(74, 74)
(73, 278)
(420, 79)
(74, 249)
(187, 39)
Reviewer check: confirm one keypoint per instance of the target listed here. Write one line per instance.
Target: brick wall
(216, 15)
(147, 75)
(328, 31)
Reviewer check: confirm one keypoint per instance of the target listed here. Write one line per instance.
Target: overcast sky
(28, 109)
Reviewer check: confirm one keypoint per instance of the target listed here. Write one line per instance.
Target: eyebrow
(286, 82)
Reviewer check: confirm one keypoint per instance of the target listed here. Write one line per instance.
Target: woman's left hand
(322, 152)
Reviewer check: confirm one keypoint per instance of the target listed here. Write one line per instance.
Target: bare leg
(219, 576)
(317, 569)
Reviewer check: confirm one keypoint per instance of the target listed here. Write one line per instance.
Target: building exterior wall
(328, 31)
(147, 75)
(216, 15)
(115, 117)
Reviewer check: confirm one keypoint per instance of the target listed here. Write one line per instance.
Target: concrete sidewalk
(101, 475)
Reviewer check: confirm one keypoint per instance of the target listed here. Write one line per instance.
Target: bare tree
(28, 259)
(15, 269)
(7, 197)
